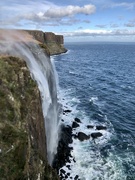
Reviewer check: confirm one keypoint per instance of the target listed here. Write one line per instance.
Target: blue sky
(78, 20)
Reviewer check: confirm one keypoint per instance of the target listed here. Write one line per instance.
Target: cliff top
(52, 44)
(16, 35)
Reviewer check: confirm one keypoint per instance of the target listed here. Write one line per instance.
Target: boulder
(96, 135)
(82, 136)
(76, 177)
(62, 171)
(68, 166)
(100, 127)
(68, 174)
(90, 126)
(77, 120)
(75, 125)
(67, 111)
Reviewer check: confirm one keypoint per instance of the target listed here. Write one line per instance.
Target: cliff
(22, 133)
(53, 44)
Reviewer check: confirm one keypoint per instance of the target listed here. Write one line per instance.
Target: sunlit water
(97, 81)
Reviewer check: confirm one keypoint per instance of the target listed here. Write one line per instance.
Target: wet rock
(96, 135)
(63, 151)
(90, 126)
(66, 176)
(82, 136)
(68, 166)
(75, 125)
(76, 177)
(77, 120)
(67, 111)
(74, 136)
(101, 127)
(62, 171)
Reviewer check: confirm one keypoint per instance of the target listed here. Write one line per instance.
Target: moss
(45, 47)
(22, 136)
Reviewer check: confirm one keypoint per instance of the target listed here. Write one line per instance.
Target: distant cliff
(22, 133)
(53, 44)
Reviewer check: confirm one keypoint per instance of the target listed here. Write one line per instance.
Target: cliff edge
(22, 133)
(52, 43)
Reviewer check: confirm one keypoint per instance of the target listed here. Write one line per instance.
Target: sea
(96, 81)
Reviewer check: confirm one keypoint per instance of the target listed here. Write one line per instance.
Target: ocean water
(97, 82)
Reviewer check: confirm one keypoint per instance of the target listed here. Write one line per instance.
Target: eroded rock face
(53, 44)
(22, 132)
(63, 151)
(38, 35)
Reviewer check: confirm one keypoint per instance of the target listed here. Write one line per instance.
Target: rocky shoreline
(64, 157)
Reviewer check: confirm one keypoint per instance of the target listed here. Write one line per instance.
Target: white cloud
(69, 10)
(40, 13)
(103, 32)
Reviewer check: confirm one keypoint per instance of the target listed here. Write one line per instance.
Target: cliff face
(22, 132)
(53, 44)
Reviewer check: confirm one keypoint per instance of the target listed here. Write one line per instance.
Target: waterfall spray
(43, 73)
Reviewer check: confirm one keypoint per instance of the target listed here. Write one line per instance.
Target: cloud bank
(61, 12)
(40, 13)
(89, 32)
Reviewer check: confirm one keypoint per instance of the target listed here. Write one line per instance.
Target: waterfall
(42, 72)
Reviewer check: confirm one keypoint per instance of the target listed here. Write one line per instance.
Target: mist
(21, 44)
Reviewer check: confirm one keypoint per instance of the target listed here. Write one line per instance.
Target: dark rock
(77, 120)
(62, 171)
(68, 174)
(68, 166)
(101, 127)
(76, 177)
(82, 136)
(63, 150)
(90, 126)
(71, 148)
(96, 135)
(67, 111)
(74, 136)
(75, 125)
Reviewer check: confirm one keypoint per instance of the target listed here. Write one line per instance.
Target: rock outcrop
(22, 133)
(53, 44)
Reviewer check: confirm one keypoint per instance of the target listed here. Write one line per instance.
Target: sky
(77, 20)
